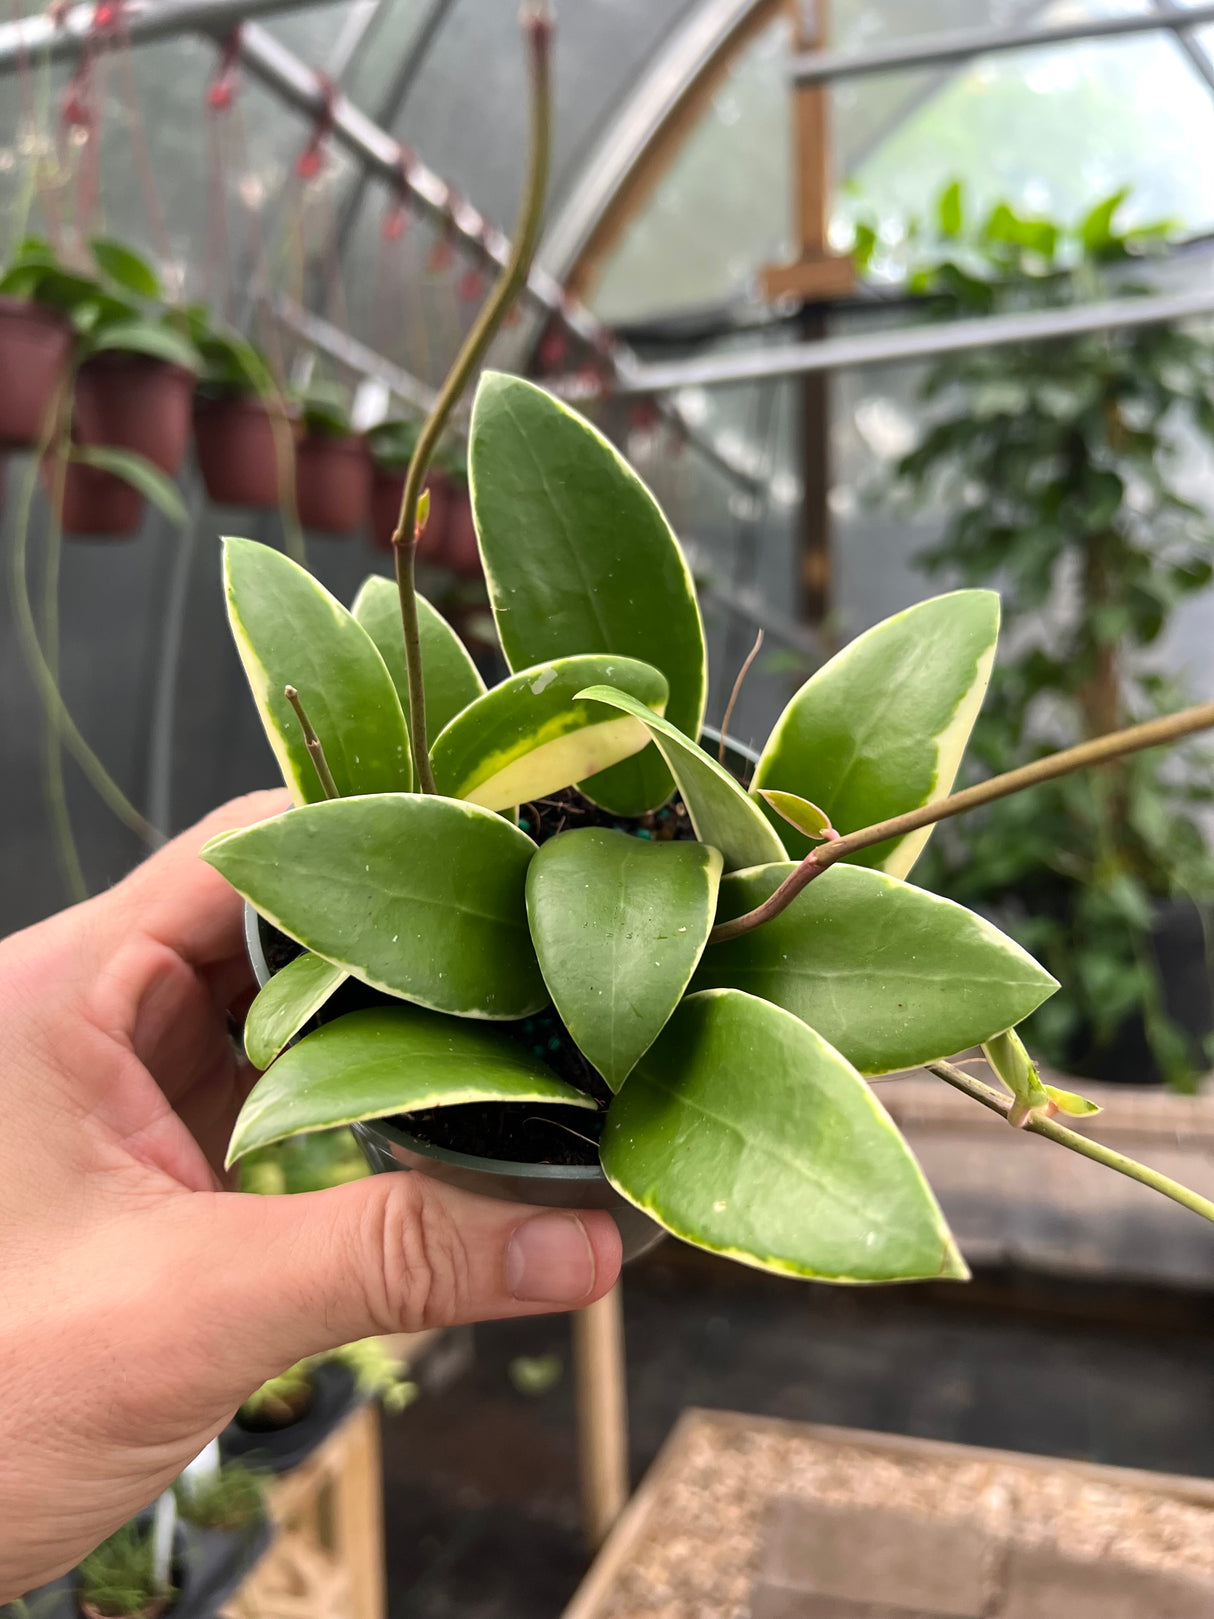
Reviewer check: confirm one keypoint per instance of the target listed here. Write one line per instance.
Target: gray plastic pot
(388, 1149)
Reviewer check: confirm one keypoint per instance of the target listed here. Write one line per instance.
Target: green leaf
(419, 896)
(285, 1003)
(798, 812)
(888, 973)
(881, 728)
(139, 472)
(950, 213)
(387, 1060)
(125, 267)
(720, 810)
(742, 1131)
(145, 337)
(1096, 229)
(290, 631)
(451, 678)
(579, 558)
(618, 926)
(1072, 1103)
(530, 735)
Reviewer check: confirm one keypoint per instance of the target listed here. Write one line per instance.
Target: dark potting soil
(517, 1132)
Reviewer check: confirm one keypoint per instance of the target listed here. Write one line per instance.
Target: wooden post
(602, 1414)
(816, 275)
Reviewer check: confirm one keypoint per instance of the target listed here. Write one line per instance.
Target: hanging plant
(244, 432)
(35, 345)
(129, 414)
(332, 464)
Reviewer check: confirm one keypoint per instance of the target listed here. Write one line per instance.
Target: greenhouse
(607, 648)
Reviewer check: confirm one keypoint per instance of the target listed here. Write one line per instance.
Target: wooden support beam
(817, 275)
(602, 1414)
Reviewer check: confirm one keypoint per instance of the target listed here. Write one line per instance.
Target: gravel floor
(481, 1479)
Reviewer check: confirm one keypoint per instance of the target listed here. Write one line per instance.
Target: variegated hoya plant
(733, 1009)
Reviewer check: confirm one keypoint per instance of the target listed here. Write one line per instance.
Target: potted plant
(226, 1532)
(1058, 466)
(284, 1420)
(453, 544)
(118, 1579)
(332, 464)
(35, 344)
(128, 425)
(243, 432)
(588, 967)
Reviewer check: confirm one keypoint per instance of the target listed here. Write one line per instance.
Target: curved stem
(538, 28)
(1098, 751)
(56, 790)
(1072, 1140)
(48, 690)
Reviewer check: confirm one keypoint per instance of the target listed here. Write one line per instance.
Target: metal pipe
(43, 38)
(348, 351)
(391, 102)
(1189, 43)
(933, 50)
(904, 344)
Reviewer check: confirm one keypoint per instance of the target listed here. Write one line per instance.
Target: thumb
(291, 1276)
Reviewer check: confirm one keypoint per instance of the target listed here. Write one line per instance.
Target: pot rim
(514, 1168)
(133, 360)
(30, 308)
(339, 443)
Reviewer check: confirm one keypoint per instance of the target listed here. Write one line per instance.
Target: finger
(286, 1277)
(178, 900)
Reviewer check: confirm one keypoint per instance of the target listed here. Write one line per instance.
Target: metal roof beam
(934, 50)
(43, 38)
(907, 344)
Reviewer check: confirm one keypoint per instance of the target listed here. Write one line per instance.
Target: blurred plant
(230, 1498)
(378, 1373)
(119, 1577)
(280, 1400)
(1058, 464)
(325, 407)
(304, 1163)
(534, 1375)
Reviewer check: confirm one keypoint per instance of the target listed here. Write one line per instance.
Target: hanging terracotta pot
(34, 347)
(333, 482)
(236, 446)
(463, 554)
(387, 492)
(134, 402)
(432, 547)
(96, 503)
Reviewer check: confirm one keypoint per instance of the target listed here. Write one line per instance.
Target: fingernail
(550, 1260)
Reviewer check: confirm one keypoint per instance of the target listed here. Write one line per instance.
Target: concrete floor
(481, 1479)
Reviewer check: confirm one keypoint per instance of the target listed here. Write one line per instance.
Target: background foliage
(1058, 463)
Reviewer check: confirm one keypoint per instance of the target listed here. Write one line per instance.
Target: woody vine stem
(1101, 750)
(537, 27)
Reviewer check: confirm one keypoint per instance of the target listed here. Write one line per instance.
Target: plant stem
(1100, 749)
(733, 696)
(997, 1103)
(538, 28)
(313, 743)
(44, 679)
(56, 791)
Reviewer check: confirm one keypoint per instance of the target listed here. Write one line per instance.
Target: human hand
(141, 1302)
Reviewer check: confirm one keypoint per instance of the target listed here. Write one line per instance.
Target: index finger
(177, 899)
